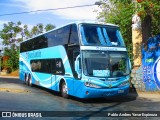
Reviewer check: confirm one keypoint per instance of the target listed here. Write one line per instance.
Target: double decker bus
(85, 60)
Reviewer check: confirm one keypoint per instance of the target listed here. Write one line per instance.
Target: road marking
(14, 90)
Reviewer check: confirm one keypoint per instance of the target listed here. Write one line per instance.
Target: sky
(56, 17)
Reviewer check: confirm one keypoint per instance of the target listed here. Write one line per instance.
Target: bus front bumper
(89, 92)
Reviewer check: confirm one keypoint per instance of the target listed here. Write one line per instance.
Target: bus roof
(77, 23)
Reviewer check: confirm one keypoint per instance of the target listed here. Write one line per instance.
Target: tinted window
(50, 66)
(63, 35)
(74, 35)
(22, 47)
(40, 42)
(114, 37)
(59, 69)
(53, 38)
(58, 37)
(91, 35)
(43, 65)
(101, 35)
(34, 44)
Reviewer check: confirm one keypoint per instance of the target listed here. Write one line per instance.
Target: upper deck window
(101, 35)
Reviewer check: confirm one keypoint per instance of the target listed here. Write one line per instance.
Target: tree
(149, 11)
(13, 61)
(12, 34)
(39, 28)
(49, 27)
(120, 12)
(26, 33)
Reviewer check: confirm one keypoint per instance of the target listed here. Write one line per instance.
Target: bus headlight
(88, 84)
(124, 84)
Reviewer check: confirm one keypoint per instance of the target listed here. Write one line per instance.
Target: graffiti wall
(151, 64)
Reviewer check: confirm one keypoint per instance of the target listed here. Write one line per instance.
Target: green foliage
(49, 27)
(37, 29)
(9, 33)
(120, 12)
(13, 60)
(12, 34)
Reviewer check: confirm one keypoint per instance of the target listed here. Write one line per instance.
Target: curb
(155, 96)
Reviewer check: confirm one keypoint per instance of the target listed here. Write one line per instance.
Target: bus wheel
(29, 80)
(64, 90)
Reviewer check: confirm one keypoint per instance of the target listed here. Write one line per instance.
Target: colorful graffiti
(151, 64)
(156, 72)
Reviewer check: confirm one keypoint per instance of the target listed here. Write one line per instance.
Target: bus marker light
(87, 92)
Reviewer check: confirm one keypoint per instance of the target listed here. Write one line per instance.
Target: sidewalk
(148, 95)
(142, 95)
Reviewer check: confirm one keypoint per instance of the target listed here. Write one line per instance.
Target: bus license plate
(120, 91)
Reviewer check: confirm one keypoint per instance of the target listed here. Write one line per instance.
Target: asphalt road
(16, 96)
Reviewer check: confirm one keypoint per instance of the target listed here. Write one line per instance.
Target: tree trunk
(146, 28)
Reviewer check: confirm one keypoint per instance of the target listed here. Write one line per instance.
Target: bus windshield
(101, 35)
(105, 64)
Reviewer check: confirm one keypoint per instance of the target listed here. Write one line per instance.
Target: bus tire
(64, 90)
(29, 80)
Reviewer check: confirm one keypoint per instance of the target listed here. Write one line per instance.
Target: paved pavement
(154, 96)
(16, 96)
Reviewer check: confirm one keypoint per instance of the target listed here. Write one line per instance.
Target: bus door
(58, 71)
(73, 52)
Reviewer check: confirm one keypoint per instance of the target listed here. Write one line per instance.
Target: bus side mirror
(130, 66)
(78, 66)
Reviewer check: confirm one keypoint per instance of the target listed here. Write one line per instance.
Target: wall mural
(151, 64)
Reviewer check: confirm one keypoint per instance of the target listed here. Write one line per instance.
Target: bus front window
(119, 64)
(96, 63)
(105, 64)
(90, 35)
(101, 35)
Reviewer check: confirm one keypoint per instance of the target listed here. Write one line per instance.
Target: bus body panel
(106, 92)
(107, 88)
(43, 79)
(84, 86)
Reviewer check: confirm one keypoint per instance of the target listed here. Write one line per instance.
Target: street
(16, 96)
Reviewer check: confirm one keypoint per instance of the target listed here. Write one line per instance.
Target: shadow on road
(118, 99)
(10, 80)
(130, 97)
(127, 98)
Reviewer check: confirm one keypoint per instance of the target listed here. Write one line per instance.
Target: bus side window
(75, 54)
(63, 35)
(59, 67)
(74, 35)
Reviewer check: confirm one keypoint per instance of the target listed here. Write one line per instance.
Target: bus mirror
(130, 66)
(77, 66)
